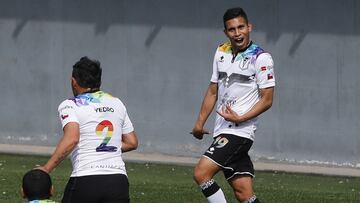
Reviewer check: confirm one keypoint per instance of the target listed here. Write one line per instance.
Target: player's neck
(87, 90)
(236, 50)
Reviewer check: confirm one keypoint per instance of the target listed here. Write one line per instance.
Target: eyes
(239, 28)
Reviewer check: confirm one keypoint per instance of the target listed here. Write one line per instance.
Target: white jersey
(239, 80)
(103, 120)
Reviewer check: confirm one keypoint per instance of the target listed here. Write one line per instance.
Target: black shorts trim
(229, 168)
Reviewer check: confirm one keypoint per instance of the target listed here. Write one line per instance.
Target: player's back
(102, 119)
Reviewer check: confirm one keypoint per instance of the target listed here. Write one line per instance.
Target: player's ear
(250, 27)
(73, 81)
(23, 193)
(226, 34)
(52, 190)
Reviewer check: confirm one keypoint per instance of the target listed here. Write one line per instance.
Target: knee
(200, 175)
(243, 195)
(240, 196)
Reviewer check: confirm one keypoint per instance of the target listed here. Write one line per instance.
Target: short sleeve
(265, 75)
(67, 112)
(215, 73)
(127, 125)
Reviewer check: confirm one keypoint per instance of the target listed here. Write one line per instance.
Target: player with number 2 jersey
(97, 130)
(102, 119)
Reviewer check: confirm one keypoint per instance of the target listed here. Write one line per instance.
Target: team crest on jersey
(244, 64)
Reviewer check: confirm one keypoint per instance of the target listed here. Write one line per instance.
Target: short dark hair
(234, 13)
(37, 184)
(87, 73)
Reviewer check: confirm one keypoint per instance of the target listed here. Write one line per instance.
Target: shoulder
(111, 97)
(66, 104)
(264, 58)
(224, 47)
(258, 51)
(254, 50)
(115, 100)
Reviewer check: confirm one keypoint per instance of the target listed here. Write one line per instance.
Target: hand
(43, 169)
(228, 114)
(198, 132)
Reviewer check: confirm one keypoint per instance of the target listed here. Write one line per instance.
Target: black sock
(256, 201)
(252, 199)
(209, 188)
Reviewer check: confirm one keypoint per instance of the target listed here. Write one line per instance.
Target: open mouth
(239, 40)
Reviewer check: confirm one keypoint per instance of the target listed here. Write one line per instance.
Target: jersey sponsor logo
(65, 107)
(64, 116)
(104, 109)
(226, 101)
(263, 68)
(221, 59)
(107, 166)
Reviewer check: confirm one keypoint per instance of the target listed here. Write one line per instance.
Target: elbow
(135, 142)
(135, 145)
(268, 106)
(73, 143)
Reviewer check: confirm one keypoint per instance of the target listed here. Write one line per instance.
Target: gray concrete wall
(157, 56)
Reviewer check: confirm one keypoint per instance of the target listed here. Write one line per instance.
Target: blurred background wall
(157, 58)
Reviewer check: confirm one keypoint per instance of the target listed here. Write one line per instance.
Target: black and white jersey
(239, 79)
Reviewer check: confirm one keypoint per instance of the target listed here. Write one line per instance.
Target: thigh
(240, 165)
(205, 169)
(242, 183)
(227, 148)
(242, 186)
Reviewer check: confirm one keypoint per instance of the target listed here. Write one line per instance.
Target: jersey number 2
(100, 128)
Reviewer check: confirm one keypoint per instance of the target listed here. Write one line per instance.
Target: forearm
(207, 105)
(260, 107)
(65, 146)
(126, 147)
(129, 142)
(63, 149)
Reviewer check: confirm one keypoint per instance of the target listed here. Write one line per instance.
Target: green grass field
(167, 183)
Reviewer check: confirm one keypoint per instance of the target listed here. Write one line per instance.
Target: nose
(237, 32)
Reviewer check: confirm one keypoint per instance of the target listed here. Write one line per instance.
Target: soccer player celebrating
(97, 130)
(242, 84)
